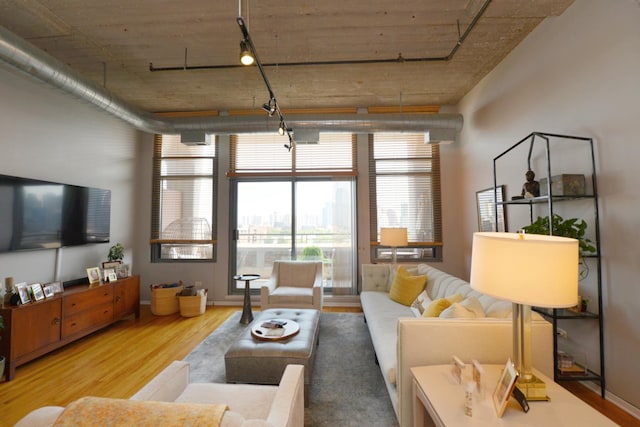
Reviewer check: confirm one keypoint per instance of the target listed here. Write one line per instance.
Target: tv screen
(37, 214)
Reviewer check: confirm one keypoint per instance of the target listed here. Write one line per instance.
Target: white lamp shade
(393, 237)
(529, 269)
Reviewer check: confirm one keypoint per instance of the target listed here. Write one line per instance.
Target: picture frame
(93, 274)
(485, 202)
(48, 291)
(123, 271)
(107, 272)
(110, 264)
(22, 289)
(36, 290)
(504, 388)
(56, 287)
(112, 277)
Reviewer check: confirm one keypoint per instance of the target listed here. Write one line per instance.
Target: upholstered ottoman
(254, 361)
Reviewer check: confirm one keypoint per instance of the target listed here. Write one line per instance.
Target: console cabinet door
(127, 297)
(35, 326)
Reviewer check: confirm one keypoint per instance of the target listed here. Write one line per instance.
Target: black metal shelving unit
(554, 315)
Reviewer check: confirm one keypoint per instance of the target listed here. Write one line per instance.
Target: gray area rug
(347, 387)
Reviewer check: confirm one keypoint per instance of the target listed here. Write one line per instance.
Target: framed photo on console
(505, 386)
(93, 274)
(56, 287)
(110, 264)
(36, 290)
(22, 289)
(48, 291)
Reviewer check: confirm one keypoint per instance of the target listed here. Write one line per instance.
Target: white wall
(45, 134)
(576, 74)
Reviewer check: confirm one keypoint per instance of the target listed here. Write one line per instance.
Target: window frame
(417, 250)
(158, 177)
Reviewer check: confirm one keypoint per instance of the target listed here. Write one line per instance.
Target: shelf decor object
(394, 237)
(497, 261)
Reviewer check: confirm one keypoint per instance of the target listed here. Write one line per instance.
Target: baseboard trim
(618, 401)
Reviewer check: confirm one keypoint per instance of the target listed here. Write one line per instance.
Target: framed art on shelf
(93, 274)
(22, 289)
(504, 388)
(56, 287)
(122, 271)
(48, 291)
(486, 209)
(110, 264)
(36, 290)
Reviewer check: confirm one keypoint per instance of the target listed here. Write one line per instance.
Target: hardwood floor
(118, 360)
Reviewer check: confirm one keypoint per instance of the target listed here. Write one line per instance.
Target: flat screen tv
(36, 214)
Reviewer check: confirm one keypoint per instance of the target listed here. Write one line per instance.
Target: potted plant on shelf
(116, 252)
(573, 227)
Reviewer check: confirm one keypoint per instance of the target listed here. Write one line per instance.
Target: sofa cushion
(405, 287)
(258, 406)
(469, 308)
(420, 304)
(436, 307)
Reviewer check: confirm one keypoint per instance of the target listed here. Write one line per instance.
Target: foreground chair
(248, 405)
(293, 284)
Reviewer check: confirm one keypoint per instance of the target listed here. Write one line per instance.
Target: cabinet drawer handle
(106, 312)
(73, 324)
(56, 321)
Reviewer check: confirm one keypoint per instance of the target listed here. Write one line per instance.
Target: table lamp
(393, 237)
(528, 270)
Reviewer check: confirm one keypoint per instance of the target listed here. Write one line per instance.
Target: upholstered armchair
(293, 284)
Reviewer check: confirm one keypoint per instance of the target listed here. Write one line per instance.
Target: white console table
(439, 401)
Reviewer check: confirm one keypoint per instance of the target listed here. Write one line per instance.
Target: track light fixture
(246, 57)
(270, 107)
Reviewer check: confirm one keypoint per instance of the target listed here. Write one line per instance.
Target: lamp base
(533, 388)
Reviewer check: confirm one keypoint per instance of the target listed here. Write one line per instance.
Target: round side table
(247, 315)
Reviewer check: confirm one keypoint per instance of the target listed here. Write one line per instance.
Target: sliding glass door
(295, 219)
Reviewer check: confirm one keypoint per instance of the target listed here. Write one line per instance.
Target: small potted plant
(116, 252)
(573, 228)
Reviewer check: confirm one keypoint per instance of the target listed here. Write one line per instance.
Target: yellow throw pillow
(439, 305)
(405, 288)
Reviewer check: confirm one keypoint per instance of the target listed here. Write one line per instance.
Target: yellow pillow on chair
(405, 287)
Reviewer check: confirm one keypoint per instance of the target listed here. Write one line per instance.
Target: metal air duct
(37, 64)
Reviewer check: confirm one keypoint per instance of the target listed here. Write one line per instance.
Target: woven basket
(191, 306)
(164, 301)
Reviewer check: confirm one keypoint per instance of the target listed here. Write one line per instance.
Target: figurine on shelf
(531, 188)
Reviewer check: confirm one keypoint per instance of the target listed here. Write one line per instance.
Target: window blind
(184, 189)
(264, 155)
(404, 189)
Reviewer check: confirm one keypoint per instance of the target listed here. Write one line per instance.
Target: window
(404, 191)
(294, 205)
(184, 192)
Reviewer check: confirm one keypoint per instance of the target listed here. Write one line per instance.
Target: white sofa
(401, 340)
(249, 405)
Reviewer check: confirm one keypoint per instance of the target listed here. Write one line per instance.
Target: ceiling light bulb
(246, 57)
(281, 130)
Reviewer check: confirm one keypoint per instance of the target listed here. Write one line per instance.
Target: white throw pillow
(420, 304)
(470, 308)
